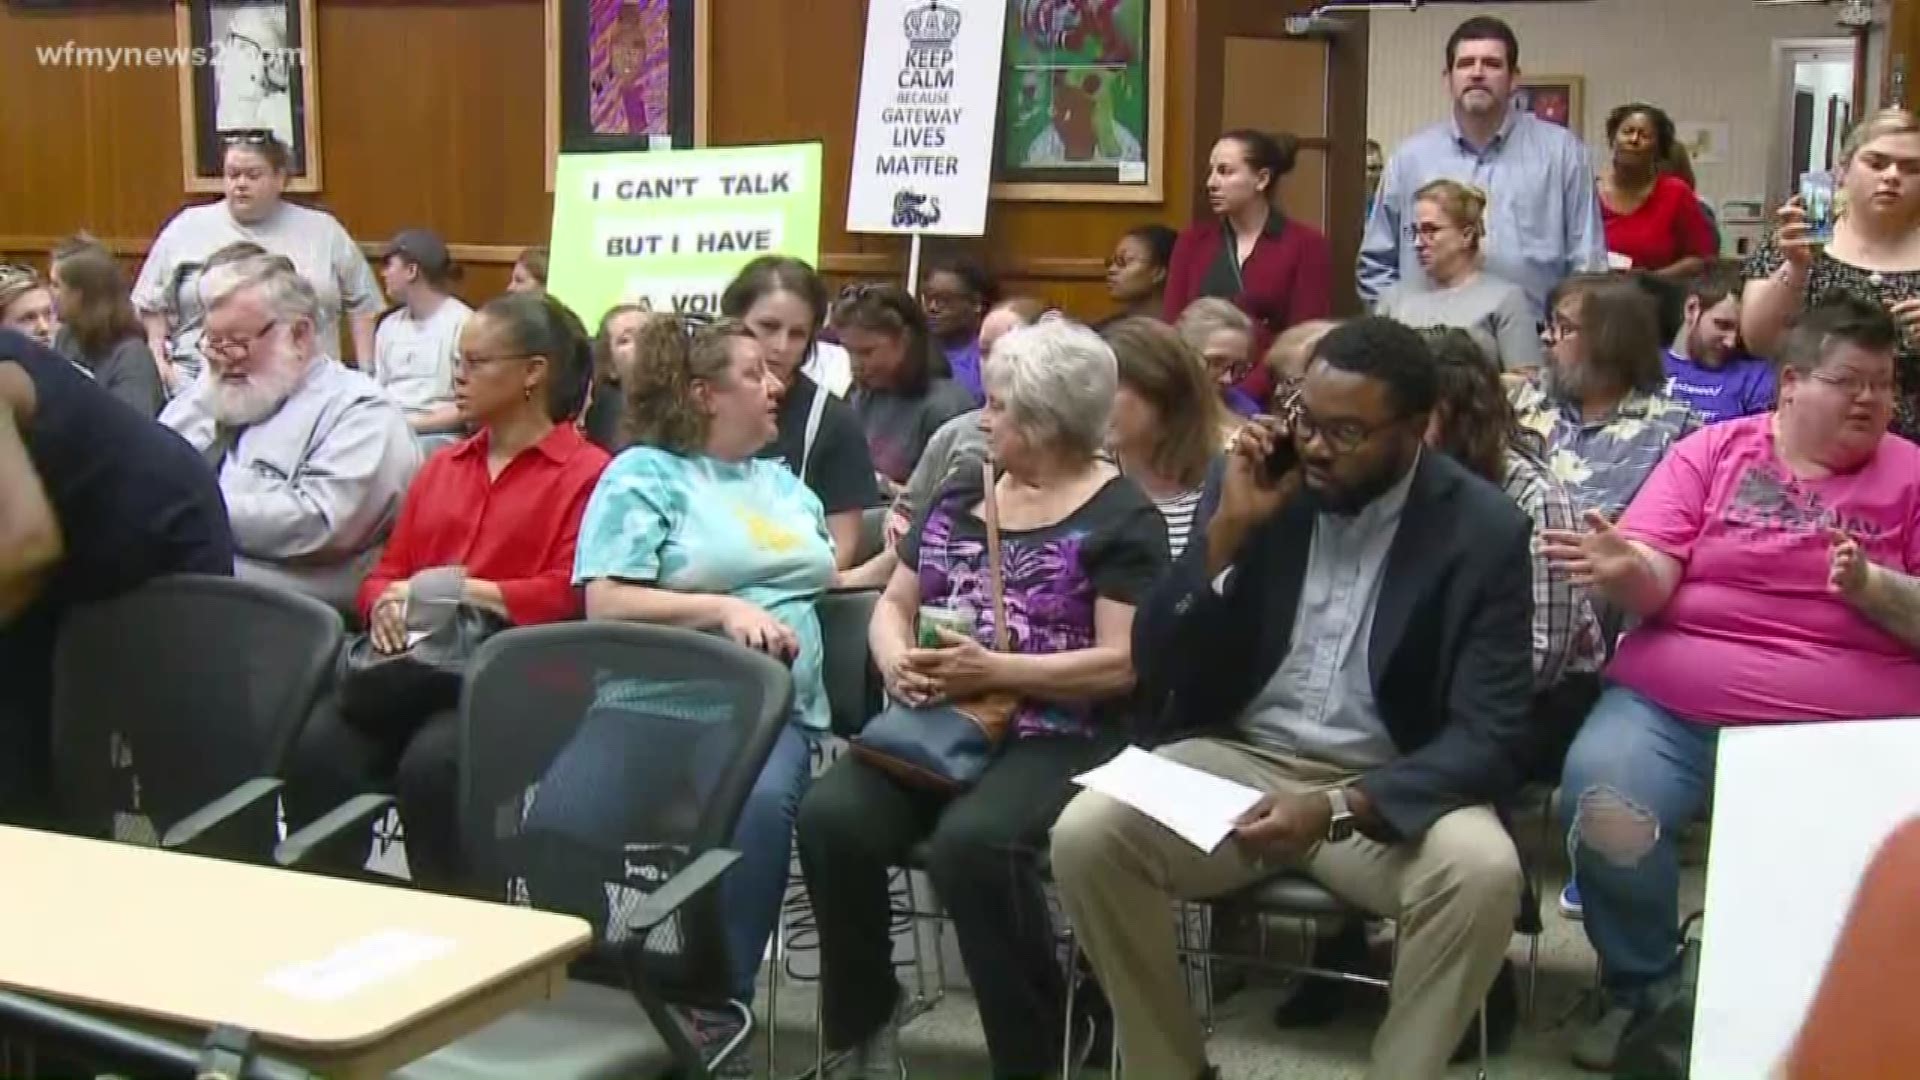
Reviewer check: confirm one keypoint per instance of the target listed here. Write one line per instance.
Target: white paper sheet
(1199, 807)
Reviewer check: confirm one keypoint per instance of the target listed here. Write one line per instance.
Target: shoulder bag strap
(814, 412)
(997, 585)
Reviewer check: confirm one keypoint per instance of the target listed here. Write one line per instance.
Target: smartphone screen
(1816, 198)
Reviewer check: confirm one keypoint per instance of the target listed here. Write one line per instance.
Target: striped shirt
(1179, 510)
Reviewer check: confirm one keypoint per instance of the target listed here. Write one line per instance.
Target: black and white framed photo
(253, 70)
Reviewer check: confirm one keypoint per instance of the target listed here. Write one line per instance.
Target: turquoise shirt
(695, 524)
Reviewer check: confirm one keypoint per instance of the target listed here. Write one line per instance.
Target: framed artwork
(255, 70)
(625, 75)
(1839, 123)
(1557, 99)
(1082, 101)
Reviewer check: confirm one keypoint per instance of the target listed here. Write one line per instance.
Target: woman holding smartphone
(1873, 252)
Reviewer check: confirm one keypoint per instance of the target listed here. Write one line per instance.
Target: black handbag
(380, 691)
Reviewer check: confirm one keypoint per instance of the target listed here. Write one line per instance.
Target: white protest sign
(923, 148)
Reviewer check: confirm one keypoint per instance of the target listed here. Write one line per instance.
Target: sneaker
(711, 1031)
(1570, 906)
(1596, 1047)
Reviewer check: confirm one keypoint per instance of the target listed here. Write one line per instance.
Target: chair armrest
(357, 812)
(660, 905)
(220, 827)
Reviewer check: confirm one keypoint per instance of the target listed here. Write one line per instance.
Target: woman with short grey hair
(1079, 547)
(1056, 381)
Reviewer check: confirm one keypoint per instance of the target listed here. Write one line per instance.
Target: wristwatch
(1340, 827)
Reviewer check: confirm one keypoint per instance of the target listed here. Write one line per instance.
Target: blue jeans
(610, 776)
(1635, 777)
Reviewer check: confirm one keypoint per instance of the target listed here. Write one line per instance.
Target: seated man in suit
(1353, 639)
(312, 456)
(95, 500)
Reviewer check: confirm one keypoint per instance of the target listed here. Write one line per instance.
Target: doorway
(1813, 109)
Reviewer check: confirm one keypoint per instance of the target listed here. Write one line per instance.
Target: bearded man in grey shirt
(313, 458)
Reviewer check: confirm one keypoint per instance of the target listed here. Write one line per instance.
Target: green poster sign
(673, 227)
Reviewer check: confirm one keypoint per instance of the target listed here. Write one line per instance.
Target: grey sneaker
(1599, 1044)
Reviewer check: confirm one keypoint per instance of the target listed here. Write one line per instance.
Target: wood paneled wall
(431, 114)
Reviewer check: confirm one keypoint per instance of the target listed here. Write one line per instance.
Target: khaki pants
(1453, 896)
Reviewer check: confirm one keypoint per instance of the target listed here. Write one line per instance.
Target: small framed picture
(1557, 99)
(253, 70)
(625, 75)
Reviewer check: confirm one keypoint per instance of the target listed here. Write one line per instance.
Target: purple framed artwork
(625, 74)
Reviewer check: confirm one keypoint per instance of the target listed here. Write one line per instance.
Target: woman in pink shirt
(1771, 561)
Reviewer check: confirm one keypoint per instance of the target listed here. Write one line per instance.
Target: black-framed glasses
(1341, 436)
(13, 274)
(692, 322)
(234, 348)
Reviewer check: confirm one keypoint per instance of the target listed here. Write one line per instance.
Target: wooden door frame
(1212, 22)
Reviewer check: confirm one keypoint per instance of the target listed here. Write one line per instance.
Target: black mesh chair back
(596, 759)
(168, 697)
(853, 686)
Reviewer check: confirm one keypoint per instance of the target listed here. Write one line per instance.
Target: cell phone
(1816, 200)
(1283, 460)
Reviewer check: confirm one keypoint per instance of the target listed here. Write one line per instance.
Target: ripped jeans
(1635, 777)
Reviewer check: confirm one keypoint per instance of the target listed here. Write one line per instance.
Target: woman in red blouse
(1653, 220)
(1276, 270)
(504, 506)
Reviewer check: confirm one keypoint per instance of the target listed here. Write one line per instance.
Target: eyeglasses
(233, 348)
(247, 137)
(1561, 328)
(1428, 232)
(1855, 386)
(692, 322)
(1341, 436)
(465, 362)
(13, 274)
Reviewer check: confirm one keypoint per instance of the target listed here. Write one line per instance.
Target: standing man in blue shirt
(1543, 216)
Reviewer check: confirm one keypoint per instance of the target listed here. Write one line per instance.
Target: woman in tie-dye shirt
(687, 528)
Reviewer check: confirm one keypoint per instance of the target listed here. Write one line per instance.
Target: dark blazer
(1451, 650)
(1287, 279)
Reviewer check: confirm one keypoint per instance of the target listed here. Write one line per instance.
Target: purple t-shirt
(1742, 387)
(964, 360)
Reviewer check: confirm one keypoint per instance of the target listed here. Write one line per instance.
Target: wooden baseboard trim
(840, 263)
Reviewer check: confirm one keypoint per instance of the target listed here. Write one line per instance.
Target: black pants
(334, 761)
(1557, 714)
(857, 823)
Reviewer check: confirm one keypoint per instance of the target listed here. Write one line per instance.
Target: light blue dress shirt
(1543, 213)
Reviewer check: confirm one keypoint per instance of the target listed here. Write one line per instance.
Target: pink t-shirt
(1752, 634)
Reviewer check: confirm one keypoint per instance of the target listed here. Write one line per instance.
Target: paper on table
(1198, 806)
(358, 964)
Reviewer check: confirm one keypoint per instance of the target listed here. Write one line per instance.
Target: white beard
(239, 404)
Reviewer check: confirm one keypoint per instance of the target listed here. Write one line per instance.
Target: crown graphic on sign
(932, 26)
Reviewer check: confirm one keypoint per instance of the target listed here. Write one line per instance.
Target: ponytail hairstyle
(539, 325)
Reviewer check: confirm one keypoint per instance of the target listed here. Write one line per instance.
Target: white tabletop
(1799, 811)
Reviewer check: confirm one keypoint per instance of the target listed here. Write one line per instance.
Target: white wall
(1823, 79)
(1702, 60)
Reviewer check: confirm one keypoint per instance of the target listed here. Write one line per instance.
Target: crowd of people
(1571, 500)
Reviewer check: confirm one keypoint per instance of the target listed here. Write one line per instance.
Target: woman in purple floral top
(1079, 546)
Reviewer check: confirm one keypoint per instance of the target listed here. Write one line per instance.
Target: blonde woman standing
(1449, 230)
(1874, 254)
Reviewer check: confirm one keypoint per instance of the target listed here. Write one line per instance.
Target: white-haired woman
(1079, 546)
